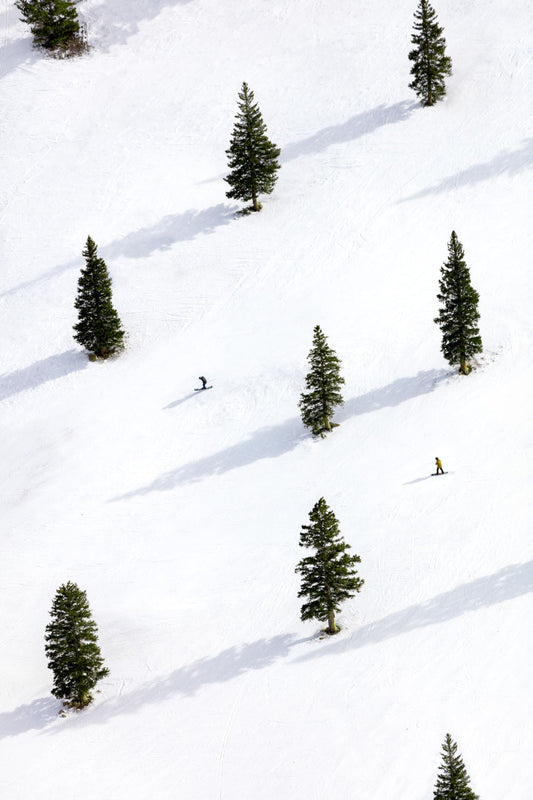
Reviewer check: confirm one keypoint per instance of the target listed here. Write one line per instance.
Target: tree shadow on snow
(505, 163)
(268, 442)
(276, 440)
(399, 391)
(49, 369)
(18, 54)
(143, 243)
(507, 584)
(30, 717)
(167, 232)
(354, 128)
(114, 22)
(188, 680)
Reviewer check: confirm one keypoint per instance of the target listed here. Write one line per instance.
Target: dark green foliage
(328, 576)
(459, 315)
(99, 327)
(54, 25)
(72, 647)
(453, 782)
(323, 384)
(252, 158)
(431, 65)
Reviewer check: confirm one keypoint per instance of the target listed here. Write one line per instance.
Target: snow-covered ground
(179, 512)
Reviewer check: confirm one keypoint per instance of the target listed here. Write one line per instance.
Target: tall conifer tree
(54, 23)
(431, 65)
(458, 316)
(72, 647)
(328, 576)
(99, 328)
(453, 782)
(323, 383)
(252, 157)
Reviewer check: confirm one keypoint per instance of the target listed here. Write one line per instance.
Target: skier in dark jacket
(438, 462)
(204, 381)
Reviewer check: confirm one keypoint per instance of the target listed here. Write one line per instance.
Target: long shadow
(188, 680)
(417, 480)
(180, 401)
(355, 127)
(505, 163)
(17, 54)
(29, 717)
(171, 229)
(49, 369)
(426, 478)
(51, 273)
(268, 442)
(393, 394)
(275, 440)
(142, 243)
(507, 584)
(111, 26)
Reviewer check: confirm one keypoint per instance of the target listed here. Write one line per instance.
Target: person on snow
(438, 462)
(204, 381)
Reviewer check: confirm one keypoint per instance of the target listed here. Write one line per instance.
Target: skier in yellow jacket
(438, 462)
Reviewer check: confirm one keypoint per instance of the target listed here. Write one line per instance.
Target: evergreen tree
(99, 327)
(54, 24)
(328, 576)
(252, 158)
(459, 315)
(430, 63)
(323, 384)
(72, 647)
(453, 782)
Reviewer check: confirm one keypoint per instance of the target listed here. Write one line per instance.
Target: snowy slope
(180, 513)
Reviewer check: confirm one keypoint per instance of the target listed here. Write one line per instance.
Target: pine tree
(328, 576)
(430, 63)
(72, 647)
(453, 782)
(252, 157)
(323, 384)
(99, 327)
(54, 24)
(459, 315)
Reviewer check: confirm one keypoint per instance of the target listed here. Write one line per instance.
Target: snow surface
(180, 512)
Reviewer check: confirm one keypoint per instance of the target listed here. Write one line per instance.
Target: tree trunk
(254, 201)
(83, 699)
(331, 621)
(327, 424)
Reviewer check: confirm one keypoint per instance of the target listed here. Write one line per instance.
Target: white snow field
(180, 512)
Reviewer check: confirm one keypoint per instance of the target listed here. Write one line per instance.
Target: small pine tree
(323, 383)
(99, 327)
(453, 782)
(72, 647)
(54, 25)
(328, 576)
(252, 157)
(459, 315)
(431, 65)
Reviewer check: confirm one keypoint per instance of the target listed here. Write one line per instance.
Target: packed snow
(179, 512)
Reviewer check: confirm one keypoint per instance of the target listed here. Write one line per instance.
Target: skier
(204, 381)
(438, 462)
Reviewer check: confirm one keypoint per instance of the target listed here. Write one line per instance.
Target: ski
(202, 389)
